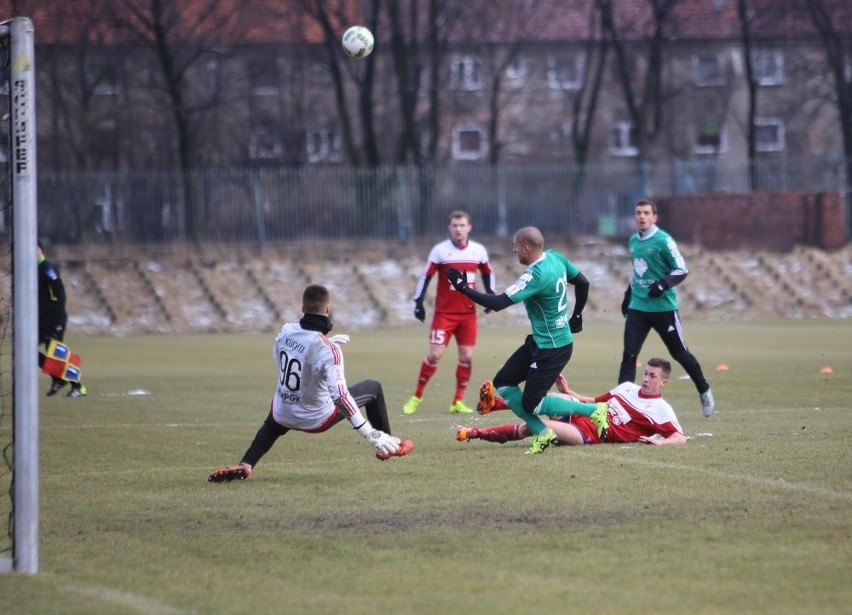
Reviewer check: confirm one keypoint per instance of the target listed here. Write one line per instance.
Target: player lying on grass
(312, 395)
(627, 413)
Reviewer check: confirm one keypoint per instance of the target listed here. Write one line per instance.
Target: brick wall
(777, 222)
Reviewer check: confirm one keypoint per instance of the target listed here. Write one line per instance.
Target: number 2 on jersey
(562, 289)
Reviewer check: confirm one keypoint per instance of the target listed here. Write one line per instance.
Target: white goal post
(18, 42)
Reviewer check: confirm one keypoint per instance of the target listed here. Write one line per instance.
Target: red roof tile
(283, 22)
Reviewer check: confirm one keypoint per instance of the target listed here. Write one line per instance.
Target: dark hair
(315, 299)
(646, 202)
(662, 364)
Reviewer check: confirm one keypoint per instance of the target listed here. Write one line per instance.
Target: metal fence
(273, 205)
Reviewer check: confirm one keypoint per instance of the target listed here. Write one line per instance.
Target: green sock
(514, 396)
(553, 405)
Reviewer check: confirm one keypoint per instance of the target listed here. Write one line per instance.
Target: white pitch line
(140, 604)
(775, 483)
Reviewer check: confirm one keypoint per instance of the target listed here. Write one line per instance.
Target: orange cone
(826, 370)
(722, 367)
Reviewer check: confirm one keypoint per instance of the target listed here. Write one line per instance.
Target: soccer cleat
(225, 475)
(405, 447)
(78, 391)
(600, 417)
(539, 443)
(708, 405)
(55, 387)
(466, 434)
(460, 408)
(486, 398)
(412, 404)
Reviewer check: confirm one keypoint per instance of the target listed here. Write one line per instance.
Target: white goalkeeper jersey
(310, 380)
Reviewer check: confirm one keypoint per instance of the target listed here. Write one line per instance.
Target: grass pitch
(752, 516)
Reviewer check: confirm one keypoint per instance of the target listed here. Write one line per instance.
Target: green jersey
(654, 255)
(543, 288)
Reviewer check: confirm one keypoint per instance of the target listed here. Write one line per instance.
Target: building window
(622, 139)
(768, 67)
(769, 135)
(709, 70)
(469, 142)
(468, 73)
(101, 79)
(264, 78)
(265, 146)
(712, 139)
(517, 70)
(561, 137)
(565, 73)
(324, 146)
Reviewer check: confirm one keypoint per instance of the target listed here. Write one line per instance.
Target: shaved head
(528, 245)
(530, 236)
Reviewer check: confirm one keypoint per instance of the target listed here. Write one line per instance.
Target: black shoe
(55, 386)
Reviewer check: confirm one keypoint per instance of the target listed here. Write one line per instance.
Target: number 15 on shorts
(438, 337)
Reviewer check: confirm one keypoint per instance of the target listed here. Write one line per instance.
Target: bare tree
(178, 40)
(643, 94)
(749, 12)
(829, 17)
(334, 18)
(84, 85)
(420, 32)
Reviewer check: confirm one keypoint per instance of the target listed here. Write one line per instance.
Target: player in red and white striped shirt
(455, 314)
(634, 414)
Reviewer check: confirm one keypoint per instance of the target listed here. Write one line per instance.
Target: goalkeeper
(312, 395)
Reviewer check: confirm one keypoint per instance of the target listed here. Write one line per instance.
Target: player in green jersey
(543, 289)
(650, 301)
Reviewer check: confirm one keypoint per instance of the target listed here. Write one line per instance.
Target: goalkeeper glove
(576, 323)
(625, 303)
(457, 279)
(386, 444)
(419, 311)
(657, 289)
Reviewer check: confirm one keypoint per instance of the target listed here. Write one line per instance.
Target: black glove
(576, 323)
(457, 279)
(419, 311)
(657, 289)
(625, 303)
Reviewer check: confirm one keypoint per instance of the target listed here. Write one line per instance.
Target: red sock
(462, 378)
(427, 369)
(501, 433)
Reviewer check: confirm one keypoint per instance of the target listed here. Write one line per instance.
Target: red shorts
(584, 425)
(445, 326)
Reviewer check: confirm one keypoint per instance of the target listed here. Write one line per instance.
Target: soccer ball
(358, 42)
